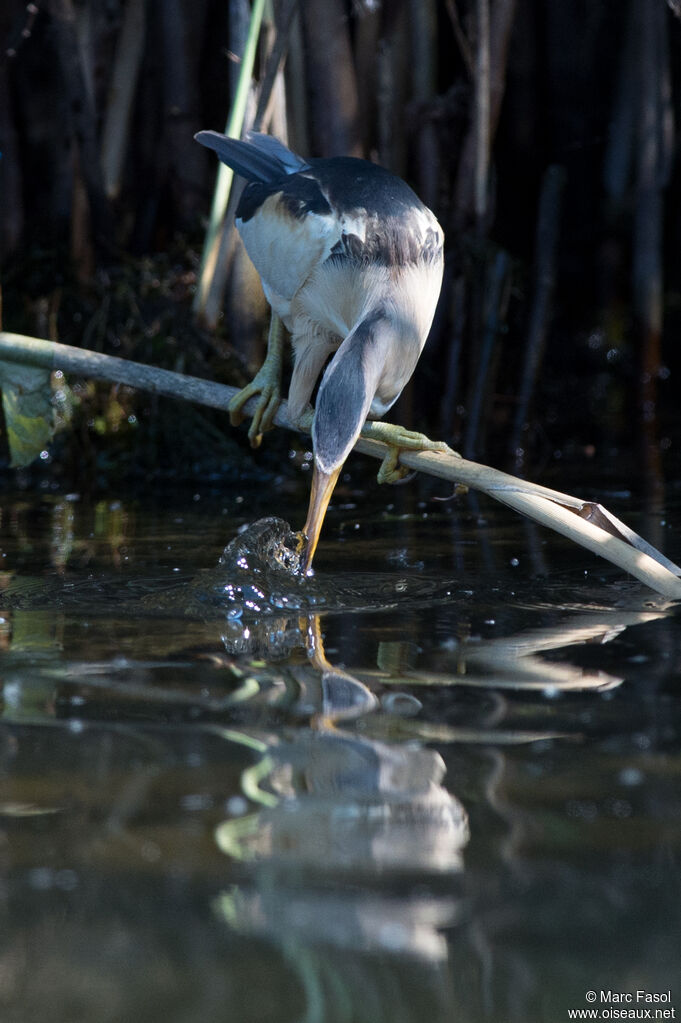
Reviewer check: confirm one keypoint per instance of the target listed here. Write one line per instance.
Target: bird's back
(378, 216)
(353, 218)
(339, 209)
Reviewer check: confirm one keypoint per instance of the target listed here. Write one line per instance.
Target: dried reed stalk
(584, 522)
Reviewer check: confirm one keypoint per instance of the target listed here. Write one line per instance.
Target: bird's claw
(390, 470)
(398, 439)
(265, 409)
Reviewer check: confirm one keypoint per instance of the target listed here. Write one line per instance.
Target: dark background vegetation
(542, 134)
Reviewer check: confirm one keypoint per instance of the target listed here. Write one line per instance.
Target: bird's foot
(265, 384)
(398, 439)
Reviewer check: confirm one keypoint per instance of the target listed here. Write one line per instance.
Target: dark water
(441, 780)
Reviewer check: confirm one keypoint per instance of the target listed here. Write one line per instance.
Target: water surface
(439, 780)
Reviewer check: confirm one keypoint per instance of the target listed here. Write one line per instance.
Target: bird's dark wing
(269, 145)
(258, 158)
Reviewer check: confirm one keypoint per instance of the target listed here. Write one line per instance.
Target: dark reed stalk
(82, 129)
(11, 187)
(367, 46)
(296, 92)
(468, 181)
(619, 154)
(453, 363)
(496, 291)
(274, 66)
(546, 245)
(462, 40)
(392, 93)
(481, 116)
(652, 171)
(331, 79)
(181, 32)
(423, 44)
(122, 88)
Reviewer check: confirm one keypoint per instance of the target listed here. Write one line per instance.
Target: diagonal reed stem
(584, 522)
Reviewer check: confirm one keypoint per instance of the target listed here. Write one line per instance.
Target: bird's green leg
(266, 383)
(398, 439)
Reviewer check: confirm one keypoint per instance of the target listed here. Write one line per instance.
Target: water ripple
(259, 574)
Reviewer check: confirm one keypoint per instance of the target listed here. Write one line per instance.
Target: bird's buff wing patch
(285, 249)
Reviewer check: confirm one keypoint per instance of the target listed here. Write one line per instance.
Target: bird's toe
(397, 440)
(268, 402)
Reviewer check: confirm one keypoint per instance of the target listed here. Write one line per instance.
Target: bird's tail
(257, 158)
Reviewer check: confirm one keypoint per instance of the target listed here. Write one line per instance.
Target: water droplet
(196, 801)
(41, 878)
(66, 879)
(236, 806)
(630, 776)
(151, 852)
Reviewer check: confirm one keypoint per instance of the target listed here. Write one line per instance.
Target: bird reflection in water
(347, 808)
(355, 850)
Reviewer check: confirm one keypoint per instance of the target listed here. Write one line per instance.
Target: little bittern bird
(351, 264)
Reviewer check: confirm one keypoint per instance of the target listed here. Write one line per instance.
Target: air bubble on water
(41, 878)
(401, 704)
(630, 776)
(236, 806)
(66, 880)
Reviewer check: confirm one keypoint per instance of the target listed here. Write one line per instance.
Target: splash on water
(260, 570)
(265, 546)
(260, 574)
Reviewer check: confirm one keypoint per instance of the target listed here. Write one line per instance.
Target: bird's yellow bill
(322, 488)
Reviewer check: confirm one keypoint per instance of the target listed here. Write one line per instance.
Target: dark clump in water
(268, 545)
(259, 571)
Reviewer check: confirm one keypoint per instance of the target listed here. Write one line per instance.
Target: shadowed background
(542, 135)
